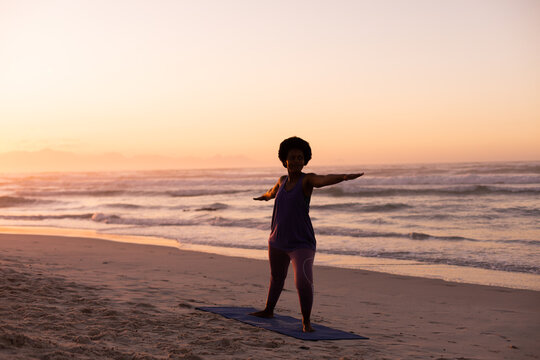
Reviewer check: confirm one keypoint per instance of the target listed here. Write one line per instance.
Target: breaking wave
(466, 190)
(11, 201)
(362, 207)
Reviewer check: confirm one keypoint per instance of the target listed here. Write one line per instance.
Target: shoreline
(450, 273)
(92, 298)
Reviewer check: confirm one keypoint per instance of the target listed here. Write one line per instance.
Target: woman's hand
(270, 194)
(352, 176)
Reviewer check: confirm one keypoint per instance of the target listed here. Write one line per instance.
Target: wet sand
(84, 298)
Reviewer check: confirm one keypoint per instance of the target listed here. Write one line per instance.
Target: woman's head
(294, 143)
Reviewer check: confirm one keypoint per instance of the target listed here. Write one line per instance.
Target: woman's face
(295, 160)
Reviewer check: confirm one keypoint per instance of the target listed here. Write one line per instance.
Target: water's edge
(451, 273)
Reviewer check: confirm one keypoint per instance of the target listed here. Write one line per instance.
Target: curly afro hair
(294, 143)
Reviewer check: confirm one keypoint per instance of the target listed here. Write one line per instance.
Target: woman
(292, 238)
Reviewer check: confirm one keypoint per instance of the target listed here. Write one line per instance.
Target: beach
(78, 297)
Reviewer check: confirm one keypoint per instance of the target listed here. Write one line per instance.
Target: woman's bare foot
(306, 327)
(267, 314)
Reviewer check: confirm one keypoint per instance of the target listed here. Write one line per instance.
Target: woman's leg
(279, 264)
(302, 260)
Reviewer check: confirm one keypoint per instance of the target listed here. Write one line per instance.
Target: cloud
(48, 160)
(61, 144)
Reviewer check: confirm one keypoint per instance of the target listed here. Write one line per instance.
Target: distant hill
(54, 160)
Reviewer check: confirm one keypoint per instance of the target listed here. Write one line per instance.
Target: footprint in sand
(185, 306)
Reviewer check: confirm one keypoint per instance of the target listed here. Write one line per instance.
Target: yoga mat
(285, 325)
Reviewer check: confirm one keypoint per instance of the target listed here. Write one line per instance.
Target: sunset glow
(362, 81)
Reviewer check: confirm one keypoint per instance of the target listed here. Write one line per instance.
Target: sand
(83, 298)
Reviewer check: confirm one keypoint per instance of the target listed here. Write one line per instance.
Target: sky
(386, 81)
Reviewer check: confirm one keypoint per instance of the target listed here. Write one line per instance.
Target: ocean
(467, 222)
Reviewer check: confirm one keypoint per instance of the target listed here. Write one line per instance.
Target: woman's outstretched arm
(270, 194)
(319, 181)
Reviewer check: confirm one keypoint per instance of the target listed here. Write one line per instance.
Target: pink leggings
(302, 260)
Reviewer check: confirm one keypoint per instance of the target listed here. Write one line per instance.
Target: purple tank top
(291, 225)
